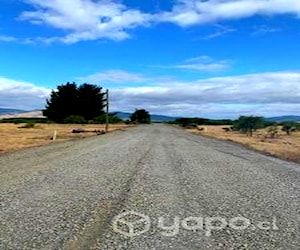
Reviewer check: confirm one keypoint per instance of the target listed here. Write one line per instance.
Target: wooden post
(107, 110)
(54, 135)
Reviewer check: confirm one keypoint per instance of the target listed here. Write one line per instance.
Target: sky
(205, 58)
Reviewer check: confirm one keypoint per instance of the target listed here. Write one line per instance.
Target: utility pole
(107, 110)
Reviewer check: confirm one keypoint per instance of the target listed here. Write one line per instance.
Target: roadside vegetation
(280, 139)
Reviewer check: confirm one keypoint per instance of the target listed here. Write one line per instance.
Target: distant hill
(286, 118)
(4, 111)
(154, 118)
(15, 113)
(11, 113)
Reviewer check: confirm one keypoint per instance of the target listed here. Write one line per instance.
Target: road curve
(150, 187)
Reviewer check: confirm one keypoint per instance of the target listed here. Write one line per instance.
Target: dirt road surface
(150, 187)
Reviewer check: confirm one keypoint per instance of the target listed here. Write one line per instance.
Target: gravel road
(150, 187)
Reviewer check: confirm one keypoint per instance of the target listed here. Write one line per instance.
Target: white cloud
(202, 63)
(187, 12)
(113, 76)
(206, 66)
(221, 30)
(4, 38)
(82, 20)
(264, 29)
(21, 95)
(85, 19)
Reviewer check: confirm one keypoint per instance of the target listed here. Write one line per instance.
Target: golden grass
(284, 146)
(12, 137)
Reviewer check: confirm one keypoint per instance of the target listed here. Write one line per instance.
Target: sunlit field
(284, 146)
(14, 137)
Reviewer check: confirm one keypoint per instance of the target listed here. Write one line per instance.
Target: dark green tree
(68, 100)
(289, 127)
(140, 116)
(63, 102)
(249, 124)
(200, 121)
(91, 101)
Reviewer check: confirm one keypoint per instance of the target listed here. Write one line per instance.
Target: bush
(272, 132)
(75, 119)
(28, 125)
(112, 119)
(289, 127)
(100, 119)
(200, 121)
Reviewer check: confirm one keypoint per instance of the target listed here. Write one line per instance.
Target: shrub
(28, 125)
(112, 119)
(75, 119)
(272, 132)
(289, 127)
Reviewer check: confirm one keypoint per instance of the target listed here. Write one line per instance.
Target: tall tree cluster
(86, 100)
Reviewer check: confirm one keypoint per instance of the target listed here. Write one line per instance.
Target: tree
(69, 100)
(248, 124)
(63, 102)
(140, 116)
(91, 101)
(289, 127)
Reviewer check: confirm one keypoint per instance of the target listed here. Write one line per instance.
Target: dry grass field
(12, 137)
(284, 146)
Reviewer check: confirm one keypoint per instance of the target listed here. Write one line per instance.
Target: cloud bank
(113, 76)
(187, 12)
(275, 93)
(22, 95)
(267, 94)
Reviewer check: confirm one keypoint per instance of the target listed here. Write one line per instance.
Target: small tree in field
(289, 127)
(248, 124)
(140, 116)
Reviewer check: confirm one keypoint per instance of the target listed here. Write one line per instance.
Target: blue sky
(213, 58)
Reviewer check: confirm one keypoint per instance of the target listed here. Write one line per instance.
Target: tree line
(244, 124)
